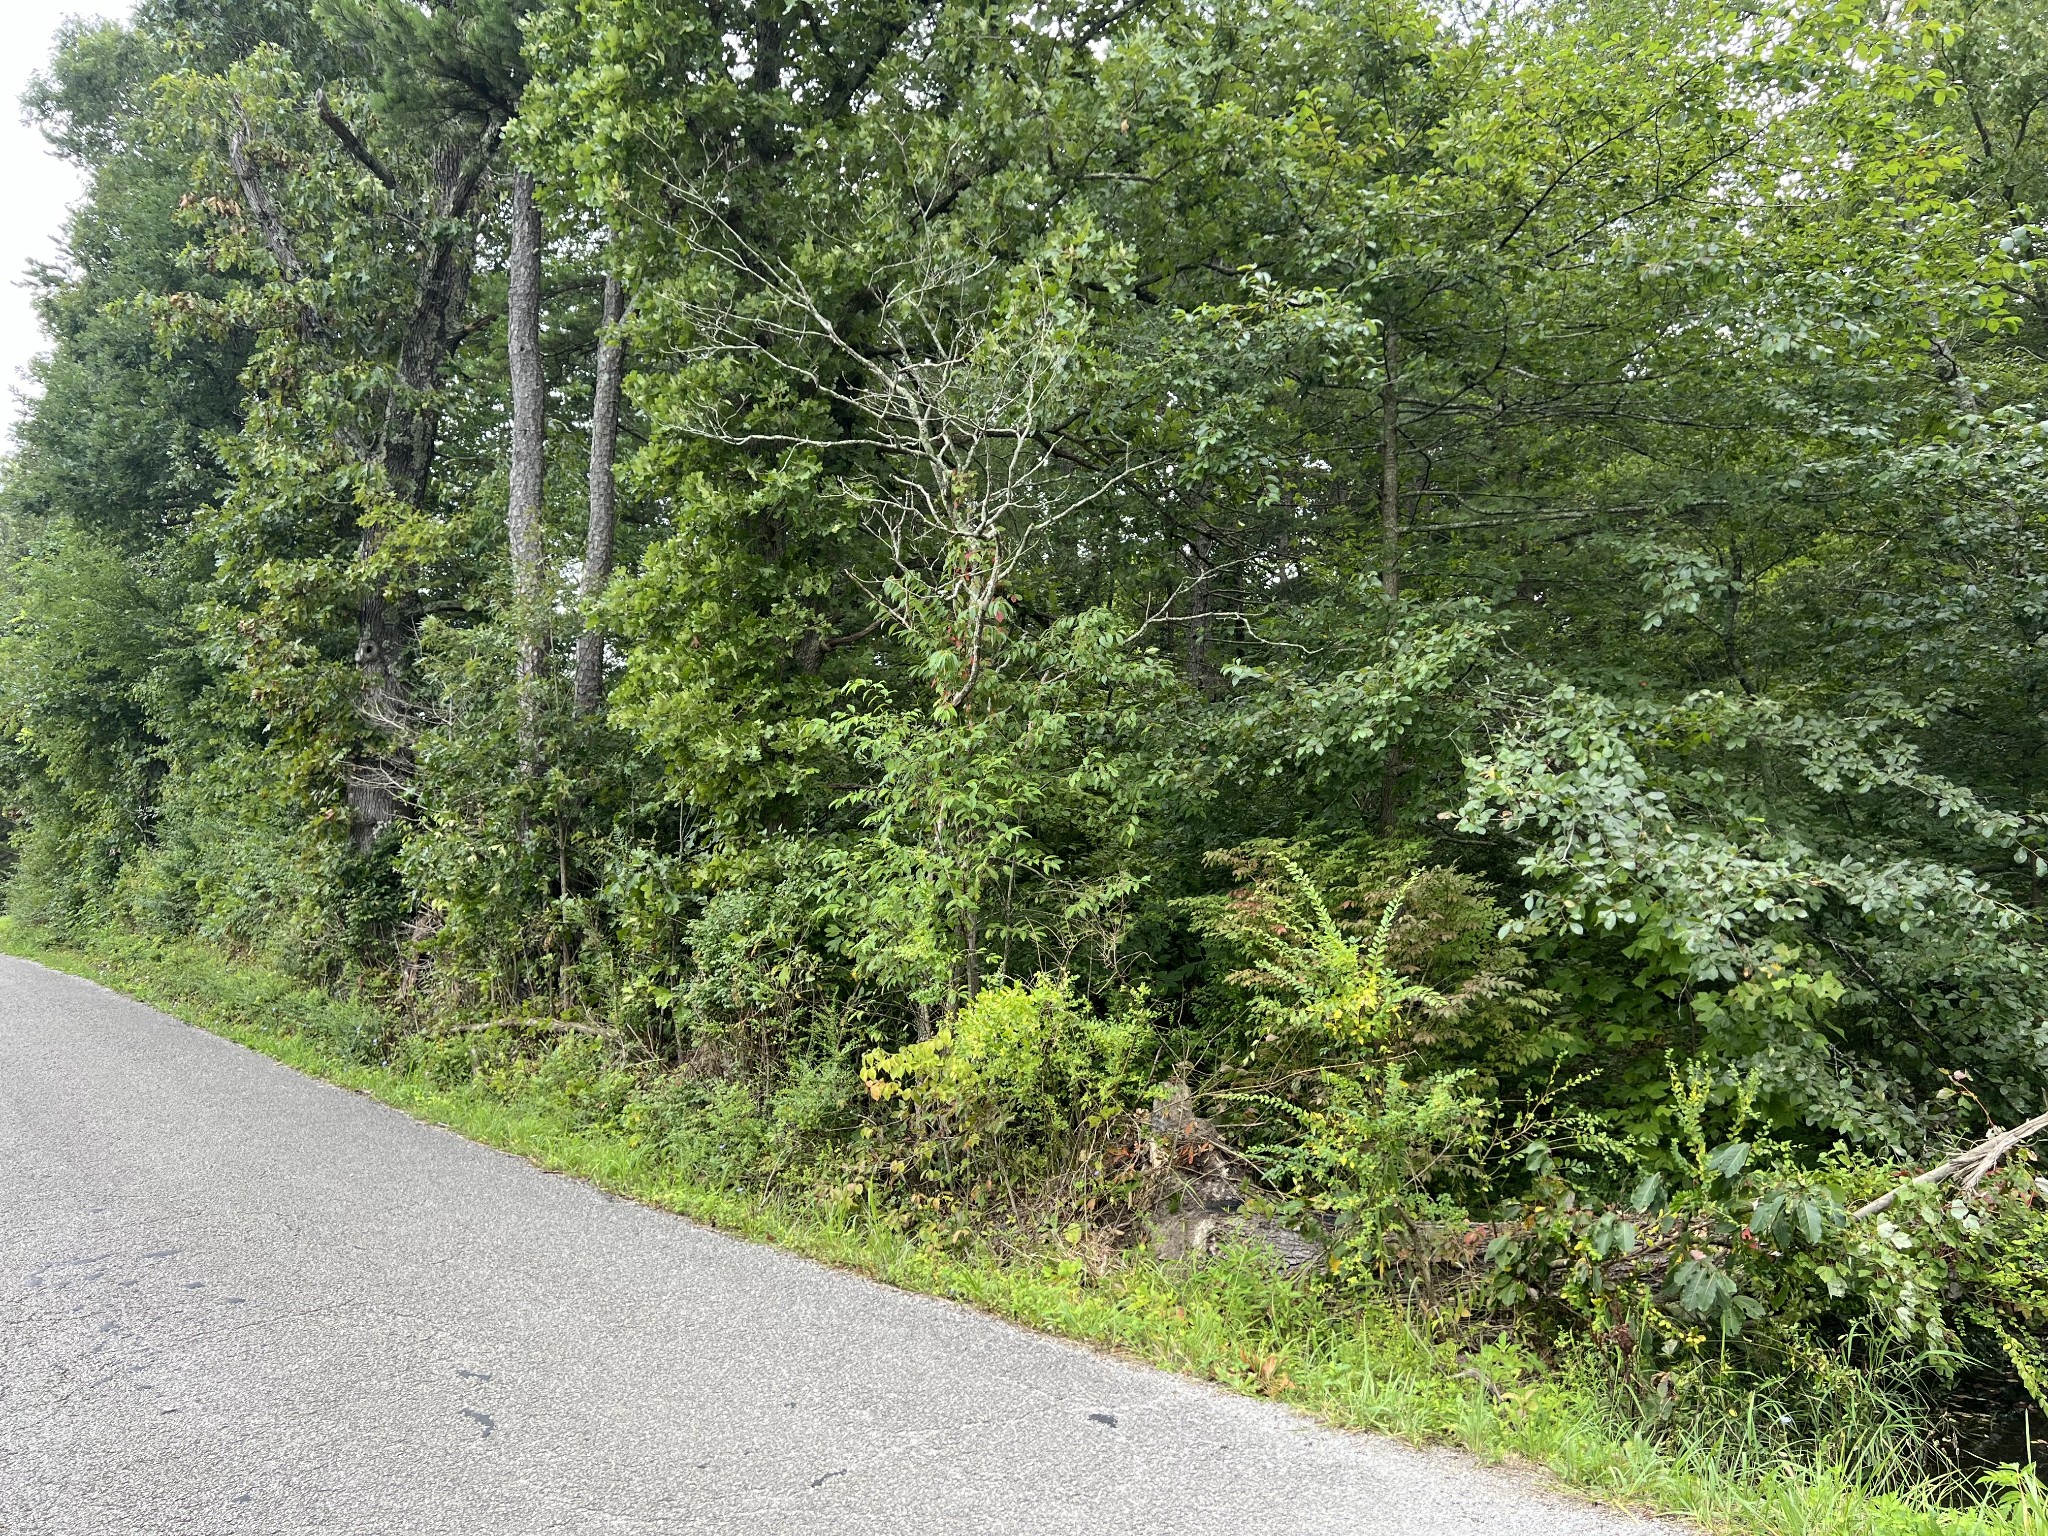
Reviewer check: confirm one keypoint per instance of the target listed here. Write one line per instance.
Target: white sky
(38, 187)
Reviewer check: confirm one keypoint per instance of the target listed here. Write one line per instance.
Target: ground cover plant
(1363, 1362)
(1377, 660)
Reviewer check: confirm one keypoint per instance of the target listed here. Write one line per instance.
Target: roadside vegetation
(1359, 1358)
(1350, 694)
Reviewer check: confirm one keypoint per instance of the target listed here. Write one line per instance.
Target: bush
(1013, 1095)
(1018, 1060)
(816, 1106)
(1738, 1262)
(712, 1128)
(720, 1130)
(1366, 1170)
(1332, 953)
(754, 988)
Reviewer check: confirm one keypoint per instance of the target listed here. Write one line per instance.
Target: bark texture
(405, 454)
(529, 461)
(1390, 538)
(604, 496)
(1390, 465)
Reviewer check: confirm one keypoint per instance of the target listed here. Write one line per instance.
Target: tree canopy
(810, 531)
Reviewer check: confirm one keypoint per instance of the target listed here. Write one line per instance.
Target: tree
(601, 531)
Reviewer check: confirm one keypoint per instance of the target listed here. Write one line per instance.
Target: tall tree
(600, 536)
(528, 478)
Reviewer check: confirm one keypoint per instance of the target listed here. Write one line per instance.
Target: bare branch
(358, 151)
(1968, 1167)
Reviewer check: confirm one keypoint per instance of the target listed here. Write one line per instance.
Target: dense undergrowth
(1369, 669)
(1355, 1356)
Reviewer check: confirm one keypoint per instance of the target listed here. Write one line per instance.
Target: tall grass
(1727, 1462)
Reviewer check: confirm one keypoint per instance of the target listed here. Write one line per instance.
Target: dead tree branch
(1968, 1168)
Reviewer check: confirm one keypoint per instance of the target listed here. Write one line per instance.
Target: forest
(1404, 636)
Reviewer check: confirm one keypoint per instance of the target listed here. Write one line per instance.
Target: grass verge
(1369, 1368)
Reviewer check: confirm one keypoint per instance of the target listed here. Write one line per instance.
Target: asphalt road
(233, 1299)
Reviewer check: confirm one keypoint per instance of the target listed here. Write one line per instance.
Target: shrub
(720, 1129)
(816, 1105)
(753, 986)
(1029, 1057)
(1019, 1071)
(1365, 1171)
(713, 1128)
(1360, 949)
(1738, 1257)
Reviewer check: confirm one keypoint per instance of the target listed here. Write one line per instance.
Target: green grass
(1230, 1322)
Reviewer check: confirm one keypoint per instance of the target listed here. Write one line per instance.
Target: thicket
(1403, 638)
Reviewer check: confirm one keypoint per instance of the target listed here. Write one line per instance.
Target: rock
(1175, 1126)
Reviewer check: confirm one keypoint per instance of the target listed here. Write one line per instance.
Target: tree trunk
(970, 932)
(256, 196)
(1390, 536)
(604, 496)
(1201, 665)
(529, 463)
(1390, 466)
(405, 454)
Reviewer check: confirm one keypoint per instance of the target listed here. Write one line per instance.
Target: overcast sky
(39, 186)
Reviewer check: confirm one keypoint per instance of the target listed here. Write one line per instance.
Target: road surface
(234, 1299)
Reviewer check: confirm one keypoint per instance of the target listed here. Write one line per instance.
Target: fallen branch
(1971, 1165)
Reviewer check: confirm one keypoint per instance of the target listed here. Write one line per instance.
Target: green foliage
(1311, 975)
(1371, 958)
(1374, 1166)
(720, 1130)
(1742, 1260)
(713, 1128)
(998, 835)
(1411, 573)
(1015, 1061)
